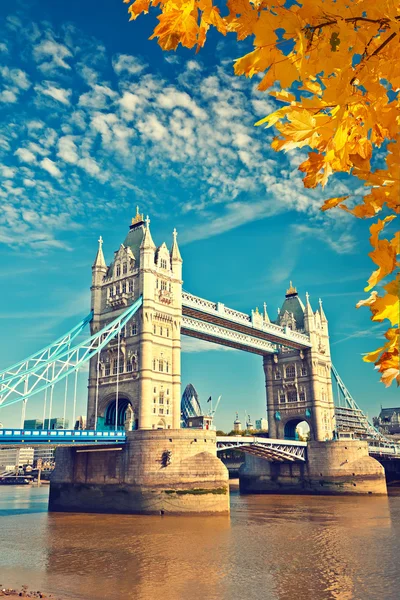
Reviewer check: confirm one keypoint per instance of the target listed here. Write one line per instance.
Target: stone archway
(110, 413)
(296, 429)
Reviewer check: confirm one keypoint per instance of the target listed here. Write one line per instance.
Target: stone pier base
(336, 467)
(155, 472)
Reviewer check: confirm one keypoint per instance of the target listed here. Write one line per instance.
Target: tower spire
(265, 314)
(99, 261)
(321, 311)
(175, 254)
(147, 242)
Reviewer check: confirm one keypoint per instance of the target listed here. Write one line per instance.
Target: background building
(10, 458)
(33, 424)
(388, 420)
(261, 424)
(190, 404)
(55, 423)
(237, 425)
(45, 454)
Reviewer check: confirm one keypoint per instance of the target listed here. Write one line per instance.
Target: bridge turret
(176, 258)
(99, 270)
(298, 383)
(147, 248)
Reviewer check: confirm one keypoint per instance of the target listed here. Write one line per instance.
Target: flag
(209, 400)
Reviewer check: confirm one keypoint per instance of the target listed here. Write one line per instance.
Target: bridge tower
(141, 368)
(298, 383)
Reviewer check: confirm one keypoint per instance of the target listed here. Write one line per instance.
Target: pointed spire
(147, 241)
(265, 314)
(308, 309)
(99, 261)
(321, 311)
(175, 254)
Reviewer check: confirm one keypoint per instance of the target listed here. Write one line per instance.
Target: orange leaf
(332, 202)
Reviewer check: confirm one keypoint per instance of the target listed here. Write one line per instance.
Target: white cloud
(60, 94)
(51, 55)
(89, 165)
(342, 242)
(67, 149)
(25, 155)
(133, 132)
(8, 97)
(50, 166)
(15, 77)
(125, 63)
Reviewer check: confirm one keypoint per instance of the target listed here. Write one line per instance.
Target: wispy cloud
(191, 345)
(103, 127)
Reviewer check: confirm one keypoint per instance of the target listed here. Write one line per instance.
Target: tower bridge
(138, 314)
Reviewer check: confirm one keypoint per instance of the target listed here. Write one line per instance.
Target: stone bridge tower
(298, 383)
(141, 369)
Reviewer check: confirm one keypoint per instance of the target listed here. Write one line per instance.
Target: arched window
(161, 365)
(292, 396)
(154, 364)
(118, 272)
(124, 287)
(133, 328)
(290, 371)
(302, 395)
(166, 366)
(131, 285)
(124, 268)
(278, 374)
(282, 396)
(163, 263)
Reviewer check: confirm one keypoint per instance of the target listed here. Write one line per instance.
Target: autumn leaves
(342, 57)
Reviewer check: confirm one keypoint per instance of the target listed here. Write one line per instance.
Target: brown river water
(270, 548)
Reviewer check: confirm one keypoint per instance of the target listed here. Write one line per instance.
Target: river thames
(270, 548)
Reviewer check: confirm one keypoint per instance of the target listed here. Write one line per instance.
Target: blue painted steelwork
(59, 437)
(52, 371)
(27, 365)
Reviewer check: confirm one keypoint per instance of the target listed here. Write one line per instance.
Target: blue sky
(96, 119)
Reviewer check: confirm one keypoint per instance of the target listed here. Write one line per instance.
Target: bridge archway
(110, 413)
(297, 429)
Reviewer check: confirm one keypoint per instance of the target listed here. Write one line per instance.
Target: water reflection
(272, 548)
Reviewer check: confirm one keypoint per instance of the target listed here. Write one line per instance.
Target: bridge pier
(334, 467)
(154, 472)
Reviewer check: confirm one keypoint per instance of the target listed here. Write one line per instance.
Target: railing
(231, 337)
(59, 436)
(255, 321)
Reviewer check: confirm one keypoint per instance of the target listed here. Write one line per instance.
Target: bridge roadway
(215, 322)
(270, 449)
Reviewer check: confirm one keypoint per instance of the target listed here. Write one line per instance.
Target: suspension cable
(23, 412)
(65, 401)
(117, 386)
(44, 407)
(75, 387)
(97, 391)
(51, 397)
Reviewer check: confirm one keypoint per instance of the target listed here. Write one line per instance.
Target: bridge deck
(58, 437)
